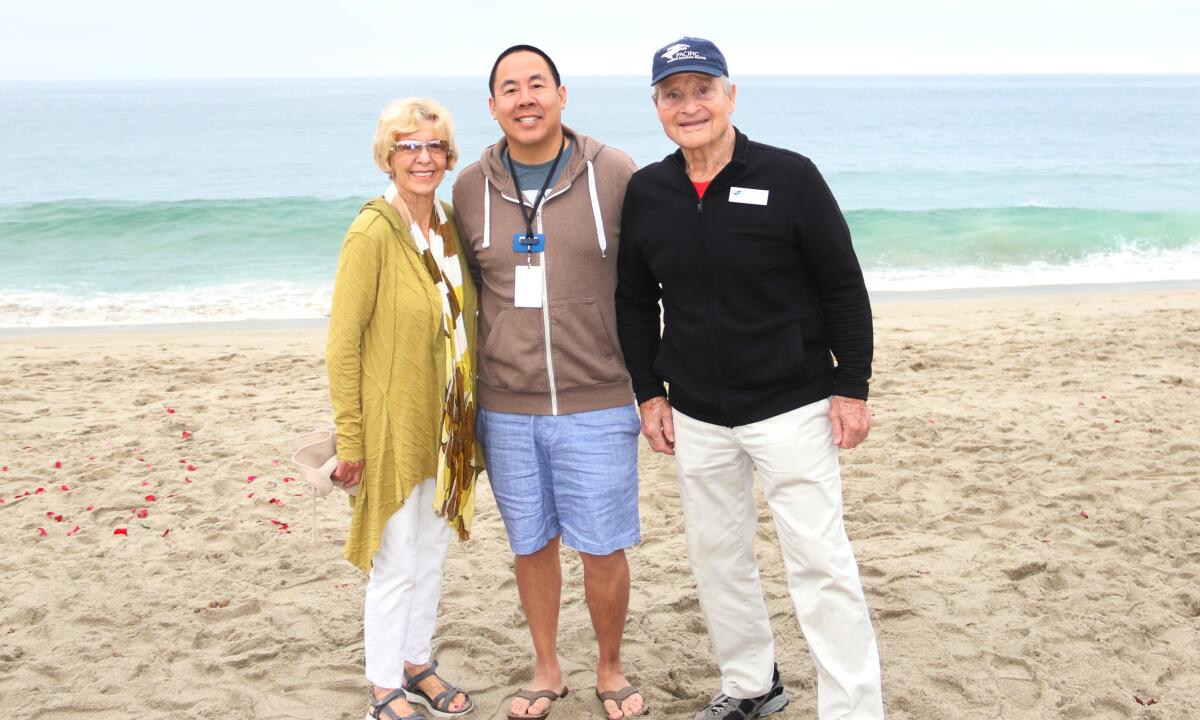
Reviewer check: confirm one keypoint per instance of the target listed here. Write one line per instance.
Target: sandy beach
(1026, 515)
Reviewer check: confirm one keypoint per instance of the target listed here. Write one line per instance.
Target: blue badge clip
(523, 244)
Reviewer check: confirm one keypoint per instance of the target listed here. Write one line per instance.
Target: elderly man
(747, 250)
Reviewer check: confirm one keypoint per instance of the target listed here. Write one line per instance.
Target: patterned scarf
(457, 469)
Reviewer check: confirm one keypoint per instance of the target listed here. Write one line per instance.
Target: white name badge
(748, 196)
(528, 286)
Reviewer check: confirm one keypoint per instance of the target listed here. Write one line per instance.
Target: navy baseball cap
(688, 54)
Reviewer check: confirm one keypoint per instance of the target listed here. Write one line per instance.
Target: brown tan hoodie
(563, 357)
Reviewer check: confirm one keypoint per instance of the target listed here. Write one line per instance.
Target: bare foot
(433, 685)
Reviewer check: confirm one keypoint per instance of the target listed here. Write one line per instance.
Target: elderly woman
(401, 378)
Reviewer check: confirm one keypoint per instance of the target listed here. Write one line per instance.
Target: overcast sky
(123, 39)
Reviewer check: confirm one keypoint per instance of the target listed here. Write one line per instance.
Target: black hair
(517, 49)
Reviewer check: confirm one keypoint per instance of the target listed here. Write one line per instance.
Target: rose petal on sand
(249, 495)
(166, 532)
(275, 501)
(3, 468)
(90, 508)
(57, 518)
(191, 468)
(183, 461)
(251, 478)
(1083, 514)
(58, 464)
(187, 435)
(121, 531)
(145, 483)
(187, 479)
(75, 530)
(150, 498)
(64, 487)
(42, 532)
(170, 411)
(140, 513)
(39, 491)
(289, 479)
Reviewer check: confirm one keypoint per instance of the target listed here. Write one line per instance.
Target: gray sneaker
(724, 707)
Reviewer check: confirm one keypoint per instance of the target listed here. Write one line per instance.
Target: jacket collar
(741, 151)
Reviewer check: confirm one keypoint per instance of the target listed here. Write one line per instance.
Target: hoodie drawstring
(596, 211)
(487, 213)
(600, 236)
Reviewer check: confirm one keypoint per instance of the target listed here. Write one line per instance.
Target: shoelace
(718, 705)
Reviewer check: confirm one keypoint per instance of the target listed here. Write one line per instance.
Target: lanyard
(529, 218)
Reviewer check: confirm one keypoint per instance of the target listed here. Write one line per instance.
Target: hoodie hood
(584, 150)
(583, 155)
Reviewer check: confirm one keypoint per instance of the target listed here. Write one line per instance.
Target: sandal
(439, 704)
(619, 696)
(381, 706)
(533, 696)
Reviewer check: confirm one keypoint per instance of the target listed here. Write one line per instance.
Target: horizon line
(997, 74)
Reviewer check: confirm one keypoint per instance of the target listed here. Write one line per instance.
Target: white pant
(403, 589)
(798, 464)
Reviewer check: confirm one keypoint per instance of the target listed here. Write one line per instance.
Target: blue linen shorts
(571, 475)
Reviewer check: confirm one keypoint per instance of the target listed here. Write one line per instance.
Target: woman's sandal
(439, 704)
(381, 706)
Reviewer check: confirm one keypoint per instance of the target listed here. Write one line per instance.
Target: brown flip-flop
(619, 696)
(533, 696)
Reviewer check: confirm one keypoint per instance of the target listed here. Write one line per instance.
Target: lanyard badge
(530, 242)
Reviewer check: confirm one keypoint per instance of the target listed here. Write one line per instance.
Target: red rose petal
(170, 411)
(141, 513)
(145, 483)
(121, 531)
(64, 487)
(251, 478)
(58, 464)
(289, 479)
(58, 518)
(186, 435)
(187, 479)
(4, 468)
(150, 498)
(191, 468)
(42, 532)
(1083, 514)
(275, 501)
(73, 531)
(90, 508)
(166, 532)
(249, 495)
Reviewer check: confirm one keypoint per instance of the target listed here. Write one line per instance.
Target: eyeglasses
(436, 148)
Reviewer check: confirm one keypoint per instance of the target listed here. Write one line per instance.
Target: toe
(633, 705)
(613, 710)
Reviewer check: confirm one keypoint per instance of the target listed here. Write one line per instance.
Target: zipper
(712, 328)
(546, 317)
(545, 298)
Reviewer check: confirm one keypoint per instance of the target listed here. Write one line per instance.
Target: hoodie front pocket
(514, 355)
(585, 351)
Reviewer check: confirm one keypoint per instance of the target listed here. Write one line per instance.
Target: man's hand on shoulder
(658, 425)
(851, 421)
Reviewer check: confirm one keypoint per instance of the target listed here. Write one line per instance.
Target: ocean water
(125, 203)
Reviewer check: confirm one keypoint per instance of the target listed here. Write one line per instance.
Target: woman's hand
(348, 474)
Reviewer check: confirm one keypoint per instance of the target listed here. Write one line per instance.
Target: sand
(1026, 515)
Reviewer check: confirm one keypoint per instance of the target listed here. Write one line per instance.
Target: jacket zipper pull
(700, 205)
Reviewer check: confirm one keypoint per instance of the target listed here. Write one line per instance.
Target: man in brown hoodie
(539, 216)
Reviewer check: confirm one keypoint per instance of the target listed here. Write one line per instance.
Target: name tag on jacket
(748, 196)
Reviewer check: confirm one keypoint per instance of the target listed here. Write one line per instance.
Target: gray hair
(725, 83)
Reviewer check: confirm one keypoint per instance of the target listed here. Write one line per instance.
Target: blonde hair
(402, 117)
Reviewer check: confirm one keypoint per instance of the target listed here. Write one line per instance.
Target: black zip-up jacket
(758, 299)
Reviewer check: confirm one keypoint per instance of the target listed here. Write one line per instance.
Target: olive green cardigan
(386, 363)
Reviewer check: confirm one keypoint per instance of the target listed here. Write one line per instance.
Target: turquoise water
(152, 202)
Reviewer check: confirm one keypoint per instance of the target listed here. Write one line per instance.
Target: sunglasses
(438, 148)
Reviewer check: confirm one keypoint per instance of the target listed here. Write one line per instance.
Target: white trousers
(798, 465)
(403, 589)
